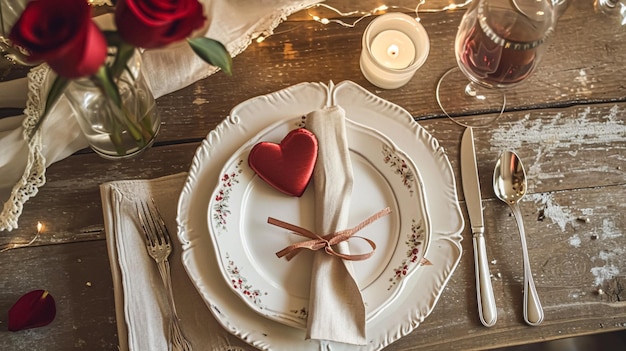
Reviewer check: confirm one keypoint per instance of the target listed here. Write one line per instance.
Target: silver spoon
(509, 184)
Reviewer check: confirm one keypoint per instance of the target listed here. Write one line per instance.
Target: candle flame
(39, 227)
(393, 50)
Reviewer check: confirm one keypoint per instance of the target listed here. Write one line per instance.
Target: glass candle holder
(395, 45)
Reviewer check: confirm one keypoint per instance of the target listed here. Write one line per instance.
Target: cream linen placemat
(139, 293)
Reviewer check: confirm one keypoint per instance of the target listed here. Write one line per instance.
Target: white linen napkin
(336, 310)
(140, 298)
(22, 165)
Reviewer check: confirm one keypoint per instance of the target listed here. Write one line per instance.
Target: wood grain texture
(78, 276)
(566, 122)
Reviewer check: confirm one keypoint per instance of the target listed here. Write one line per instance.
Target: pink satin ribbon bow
(327, 241)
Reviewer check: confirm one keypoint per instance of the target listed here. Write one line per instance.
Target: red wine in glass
(499, 47)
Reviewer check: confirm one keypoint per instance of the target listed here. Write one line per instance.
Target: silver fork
(159, 248)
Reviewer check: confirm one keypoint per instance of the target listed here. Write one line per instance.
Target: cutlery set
(509, 184)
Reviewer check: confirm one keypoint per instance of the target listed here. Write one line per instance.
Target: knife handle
(484, 291)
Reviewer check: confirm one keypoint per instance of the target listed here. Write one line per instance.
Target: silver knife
(471, 189)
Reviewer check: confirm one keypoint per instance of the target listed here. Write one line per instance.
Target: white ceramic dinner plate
(246, 244)
(412, 304)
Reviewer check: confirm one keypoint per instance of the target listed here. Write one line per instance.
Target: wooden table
(566, 122)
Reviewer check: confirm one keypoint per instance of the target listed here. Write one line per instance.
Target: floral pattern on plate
(414, 244)
(221, 208)
(240, 283)
(384, 176)
(401, 167)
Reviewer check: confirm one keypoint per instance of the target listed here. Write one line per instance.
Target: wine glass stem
(473, 91)
(470, 90)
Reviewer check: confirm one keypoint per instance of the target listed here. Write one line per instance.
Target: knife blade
(471, 189)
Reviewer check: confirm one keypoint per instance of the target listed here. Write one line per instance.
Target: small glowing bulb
(325, 21)
(39, 227)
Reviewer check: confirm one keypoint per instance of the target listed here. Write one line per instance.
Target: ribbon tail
(288, 252)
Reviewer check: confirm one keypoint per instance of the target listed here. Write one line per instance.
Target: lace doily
(34, 175)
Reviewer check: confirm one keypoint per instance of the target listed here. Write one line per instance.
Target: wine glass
(498, 45)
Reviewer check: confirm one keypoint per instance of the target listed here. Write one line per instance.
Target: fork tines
(153, 224)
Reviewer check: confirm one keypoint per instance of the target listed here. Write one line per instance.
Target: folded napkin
(22, 164)
(336, 310)
(140, 298)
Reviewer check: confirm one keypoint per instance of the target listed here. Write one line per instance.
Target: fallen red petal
(34, 309)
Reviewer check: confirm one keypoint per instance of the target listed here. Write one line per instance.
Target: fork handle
(179, 343)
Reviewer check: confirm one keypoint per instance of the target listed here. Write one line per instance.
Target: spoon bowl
(509, 185)
(509, 178)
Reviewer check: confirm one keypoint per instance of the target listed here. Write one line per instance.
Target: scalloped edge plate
(417, 299)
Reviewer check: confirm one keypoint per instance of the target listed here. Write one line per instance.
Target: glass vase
(117, 131)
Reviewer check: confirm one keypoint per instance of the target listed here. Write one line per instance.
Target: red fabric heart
(287, 166)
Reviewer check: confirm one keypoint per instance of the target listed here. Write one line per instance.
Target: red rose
(61, 33)
(156, 23)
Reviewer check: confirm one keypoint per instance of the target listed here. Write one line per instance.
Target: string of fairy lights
(11, 246)
(360, 15)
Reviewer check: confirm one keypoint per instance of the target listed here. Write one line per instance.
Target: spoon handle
(533, 312)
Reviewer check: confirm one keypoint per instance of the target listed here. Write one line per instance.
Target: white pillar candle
(393, 49)
(395, 45)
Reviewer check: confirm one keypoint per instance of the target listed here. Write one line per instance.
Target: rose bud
(157, 23)
(61, 33)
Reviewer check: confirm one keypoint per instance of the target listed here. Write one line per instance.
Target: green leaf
(212, 52)
(56, 90)
(103, 79)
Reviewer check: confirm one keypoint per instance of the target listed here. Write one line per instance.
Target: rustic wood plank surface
(566, 122)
